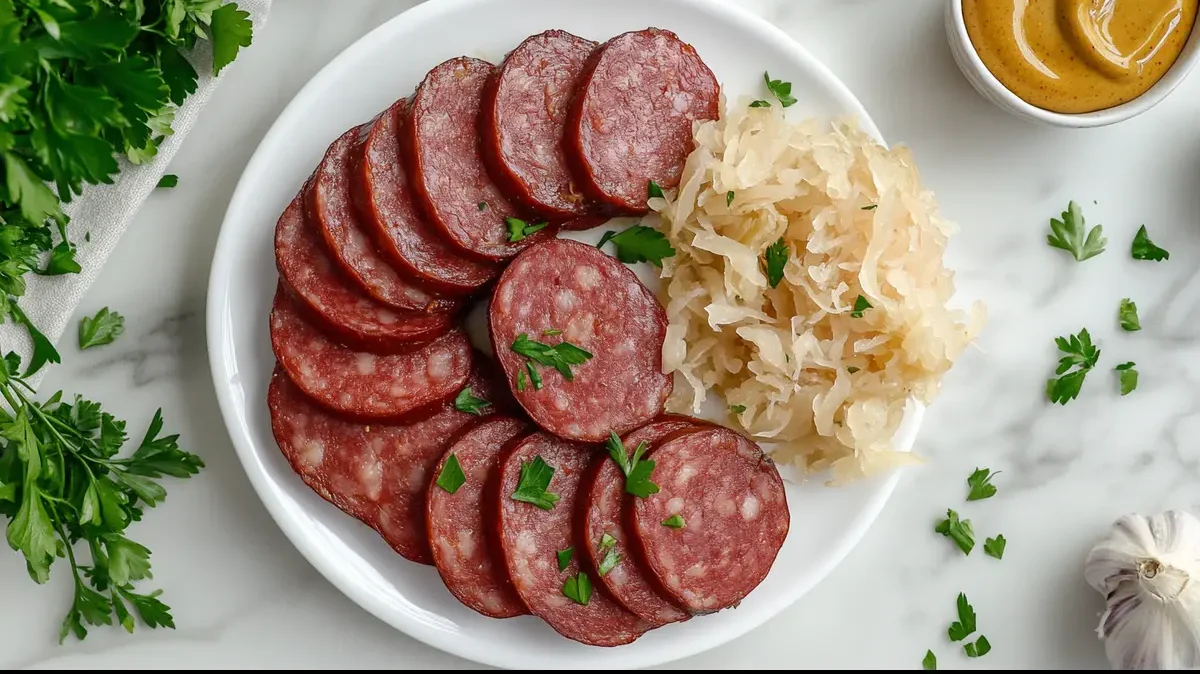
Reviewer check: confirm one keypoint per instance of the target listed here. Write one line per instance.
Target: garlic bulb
(1145, 570)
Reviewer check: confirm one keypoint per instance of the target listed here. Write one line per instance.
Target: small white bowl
(986, 83)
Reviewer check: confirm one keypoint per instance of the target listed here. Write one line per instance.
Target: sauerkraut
(818, 386)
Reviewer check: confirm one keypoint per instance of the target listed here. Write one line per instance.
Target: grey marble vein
(151, 356)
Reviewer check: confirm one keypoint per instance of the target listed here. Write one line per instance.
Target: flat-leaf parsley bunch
(81, 83)
(64, 481)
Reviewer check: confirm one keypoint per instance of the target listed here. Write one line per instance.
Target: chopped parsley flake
(1144, 249)
(534, 377)
(639, 244)
(637, 472)
(981, 485)
(965, 625)
(675, 522)
(860, 305)
(994, 547)
(1128, 377)
(564, 558)
(781, 89)
(519, 229)
(561, 356)
(451, 477)
(1127, 314)
(1069, 234)
(533, 484)
(608, 546)
(578, 589)
(467, 402)
(958, 531)
(774, 260)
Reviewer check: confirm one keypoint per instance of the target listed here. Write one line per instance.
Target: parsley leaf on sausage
(533, 484)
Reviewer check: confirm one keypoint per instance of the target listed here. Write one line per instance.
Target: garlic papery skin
(1148, 569)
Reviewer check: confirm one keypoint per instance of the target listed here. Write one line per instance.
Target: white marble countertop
(243, 597)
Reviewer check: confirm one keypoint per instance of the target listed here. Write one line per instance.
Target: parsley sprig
(467, 401)
(63, 482)
(774, 260)
(578, 588)
(1144, 249)
(994, 547)
(959, 531)
(101, 329)
(1127, 315)
(518, 229)
(451, 478)
(861, 304)
(965, 625)
(781, 89)
(639, 244)
(1080, 358)
(1128, 377)
(608, 546)
(564, 558)
(561, 356)
(82, 83)
(981, 485)
(533, 485)
(637, 470)
(1072, 235)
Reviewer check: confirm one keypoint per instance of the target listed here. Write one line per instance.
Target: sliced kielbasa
(446, 169)
(712, 532)
(531, 539)
(602, 507)
(339, 309)
(458, 521)
(376, 473)
(521, 121)
(361, 385)
(631, 120)
(385, 201)
(331, 207)
(564, 291)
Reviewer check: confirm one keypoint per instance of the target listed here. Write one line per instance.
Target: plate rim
(224, 370)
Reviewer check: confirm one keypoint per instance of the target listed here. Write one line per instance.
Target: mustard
(1075, 56)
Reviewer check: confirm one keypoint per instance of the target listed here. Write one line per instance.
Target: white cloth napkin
(106, 210)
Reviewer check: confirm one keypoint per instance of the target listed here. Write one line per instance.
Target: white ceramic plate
(366, 78)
